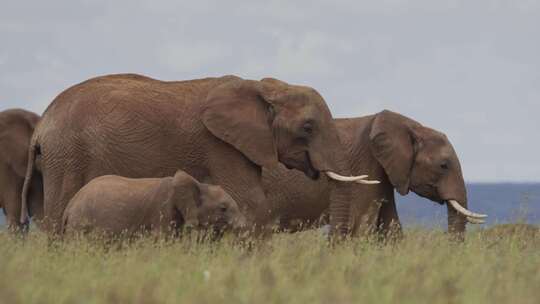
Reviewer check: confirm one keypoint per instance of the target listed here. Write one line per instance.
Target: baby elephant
(114, 205)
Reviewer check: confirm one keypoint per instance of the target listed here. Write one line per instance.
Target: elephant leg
(10, 196)
(297, 225)
(35, 199)
(364, 219)
(12, 203)
(323, 220)
(388, 224)
(58, 193)
(284, 224)
(242, 179)
(3, 187)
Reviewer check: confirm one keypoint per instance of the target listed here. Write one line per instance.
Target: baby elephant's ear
(186, 196)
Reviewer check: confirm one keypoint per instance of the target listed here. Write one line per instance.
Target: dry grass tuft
(497, 265)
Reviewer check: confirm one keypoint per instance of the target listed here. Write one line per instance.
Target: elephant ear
(274, 82)
(185, 194)
(241, 113)
(392, 143)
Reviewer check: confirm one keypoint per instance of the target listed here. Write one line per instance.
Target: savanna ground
(500, 265)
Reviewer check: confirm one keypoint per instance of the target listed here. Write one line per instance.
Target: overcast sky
(468, 68)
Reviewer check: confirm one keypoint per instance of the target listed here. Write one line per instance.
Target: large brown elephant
(393, 149)
(16, 128)
(219, 130)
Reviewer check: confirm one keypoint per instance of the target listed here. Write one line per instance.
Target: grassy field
(501, 265)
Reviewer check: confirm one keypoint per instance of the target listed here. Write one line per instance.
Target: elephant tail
(30, 168)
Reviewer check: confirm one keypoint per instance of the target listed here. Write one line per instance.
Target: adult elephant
(396, 150)
(16, 128)
(219, 130)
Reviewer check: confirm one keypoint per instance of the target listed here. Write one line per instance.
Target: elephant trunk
(459, 215)
(456, 223)
(453, 192)
(341, 194)
(330, 156)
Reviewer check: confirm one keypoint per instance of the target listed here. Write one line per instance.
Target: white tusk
(342, 178)
(464, 211)
(368, 182)
(473, 220)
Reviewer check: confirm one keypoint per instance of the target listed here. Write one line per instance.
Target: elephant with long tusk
(397, 153)
(220, 130)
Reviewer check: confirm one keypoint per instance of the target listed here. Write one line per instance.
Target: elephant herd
(126, 153)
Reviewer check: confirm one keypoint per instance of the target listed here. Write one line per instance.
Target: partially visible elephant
(16, 128)
(219, 130)
(393, 149)
(115, 206)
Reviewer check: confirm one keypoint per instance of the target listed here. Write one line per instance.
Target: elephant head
(16, 128)
(422, 160)
(204, 205)
(271, 121)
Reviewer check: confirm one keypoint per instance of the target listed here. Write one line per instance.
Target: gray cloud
(471, 70)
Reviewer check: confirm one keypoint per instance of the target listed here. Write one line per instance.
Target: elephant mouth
(310, 171)
(305, 165)
(428, 191)
(313, 174)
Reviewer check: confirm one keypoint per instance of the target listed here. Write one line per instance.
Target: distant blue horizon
(507, 182)
(503, 202)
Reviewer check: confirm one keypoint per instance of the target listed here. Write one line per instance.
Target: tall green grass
(496, 266)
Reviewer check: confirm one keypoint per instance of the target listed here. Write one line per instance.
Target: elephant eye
(223, 207)
(444, 165)
(308, 127)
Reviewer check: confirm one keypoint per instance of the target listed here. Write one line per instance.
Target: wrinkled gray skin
(16, 128)
(389, 147)
(117, 206)
(219, 130)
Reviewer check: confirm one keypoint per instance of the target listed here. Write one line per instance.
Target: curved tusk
(473, 220)
(368, 182)
(342, 178)
(464, 211)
